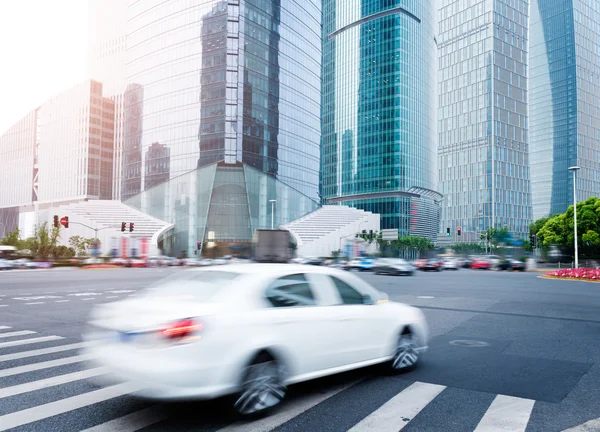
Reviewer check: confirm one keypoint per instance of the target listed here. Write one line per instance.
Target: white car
(250, 330)
(450, 264)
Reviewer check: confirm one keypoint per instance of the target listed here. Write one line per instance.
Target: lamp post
(574, 169)
(272, 213)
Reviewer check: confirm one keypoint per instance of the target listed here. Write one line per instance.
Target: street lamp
(574, 169)
(272, 213)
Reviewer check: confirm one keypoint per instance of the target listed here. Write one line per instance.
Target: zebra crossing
(44, 385)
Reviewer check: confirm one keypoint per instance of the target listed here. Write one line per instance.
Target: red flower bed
(591, 274)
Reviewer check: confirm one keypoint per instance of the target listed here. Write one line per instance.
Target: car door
(355, 323)
(300, 324)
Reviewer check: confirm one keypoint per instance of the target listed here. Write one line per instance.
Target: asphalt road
(506, 348)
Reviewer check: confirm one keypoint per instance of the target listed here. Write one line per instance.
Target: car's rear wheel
(406, 355)
(262, 387)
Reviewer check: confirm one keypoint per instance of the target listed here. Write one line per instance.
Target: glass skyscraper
(483, 143)
(565, 102)
(378, 110)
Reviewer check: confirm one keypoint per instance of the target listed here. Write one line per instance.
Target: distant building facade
(157, 165)
(564, 112)
(483, 151)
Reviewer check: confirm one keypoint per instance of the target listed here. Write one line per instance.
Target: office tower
(483, 143)
(157, 165)
(564, 126)
(378, 112)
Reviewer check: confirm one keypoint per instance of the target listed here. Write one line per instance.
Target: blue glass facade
(378, 106)
(482, 120)
(565, 102)
(233, 81)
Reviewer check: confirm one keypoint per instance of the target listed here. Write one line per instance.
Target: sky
(43, 51)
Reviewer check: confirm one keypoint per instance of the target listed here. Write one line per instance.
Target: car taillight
(182, 330)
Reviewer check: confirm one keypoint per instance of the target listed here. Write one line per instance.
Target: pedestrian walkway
(44, 385)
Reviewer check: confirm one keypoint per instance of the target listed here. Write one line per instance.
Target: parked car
(24, 263)
(511, 265)
(393, 266)
(237, 330)
(6, 264)
(480, 264)
(431, 265)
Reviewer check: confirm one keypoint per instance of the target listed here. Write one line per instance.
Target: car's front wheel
(262, 387)
(406, 354)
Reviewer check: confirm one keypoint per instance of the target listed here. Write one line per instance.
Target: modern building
(60, 152)
(378, 111)
(564, 113)
(224, 81)
(157, 165)
(483, 153)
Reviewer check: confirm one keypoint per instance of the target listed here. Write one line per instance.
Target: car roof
(263, 268)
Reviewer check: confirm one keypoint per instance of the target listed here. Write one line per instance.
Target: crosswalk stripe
(396, 413)
(62, 406)
(43, 351)
(292, 409)
(5, 327)
(50, 382)
(16, 333)
(131, 422)
(506, 413)
(30, 341)
(43, 365)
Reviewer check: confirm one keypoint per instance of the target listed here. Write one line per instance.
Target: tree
(11, 238)
(45, 241)
(81, 244)
(536, 226)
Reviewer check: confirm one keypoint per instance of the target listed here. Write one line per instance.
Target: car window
(348, 294)
(289, 291)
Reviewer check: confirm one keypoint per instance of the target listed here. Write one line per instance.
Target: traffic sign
(64, 221)
(389, 234)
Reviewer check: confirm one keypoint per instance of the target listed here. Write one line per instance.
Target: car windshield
(190, 285)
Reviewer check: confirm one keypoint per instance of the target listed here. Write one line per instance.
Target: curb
(568, 279)
(98, 268)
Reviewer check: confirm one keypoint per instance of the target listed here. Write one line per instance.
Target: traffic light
(123, 226)
(55, 223)
(131, 227)
(459, 230)
(448, 232)
(532, 241)
(198, 245)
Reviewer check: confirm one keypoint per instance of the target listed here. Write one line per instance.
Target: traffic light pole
(87, 226)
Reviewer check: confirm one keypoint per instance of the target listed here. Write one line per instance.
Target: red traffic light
(123, 226)
(459, 230)
(131, 227)
(55, 223)
(64, 221)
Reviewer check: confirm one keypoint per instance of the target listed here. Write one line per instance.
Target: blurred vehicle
(431, 265)
(158, 261)
(6, 264)
(136, 263)
(24, 263)
(366, 264)
(393, 266)
(220, 261)
(450, 264)
(494, 260)
(313, 261)
(354, 264)
(93, 261)
(250, 330)
(511, 265)
(119, 261)
(480, 264)
(418, 264)
(272, 246)
(339, 264)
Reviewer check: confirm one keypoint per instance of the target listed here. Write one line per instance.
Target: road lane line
(292, 409)
(33, 303)
(506, 413)
(50, 382)
(61, 301)
(44, 365)
(3, 305)
(62, 406)
(30, 341)
(16, 333)
(43, 351)
(396, 413)
(88, 298)
(131, 422)
(5, 327)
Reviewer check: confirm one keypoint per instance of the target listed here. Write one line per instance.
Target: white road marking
(34, 303)
(5, 327)
(50, 382)
(112, 296)
(396, 413)
(35, 298)
(30, 341)
(131, 422)
(121, 291)
(506, 413)
(589, 426)
(425, 297)
(16, 333)
(62, 406)
(3, 305)
(292, 409)
(43, 351)
(43, 365)
(61, 301)
(89, 298)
